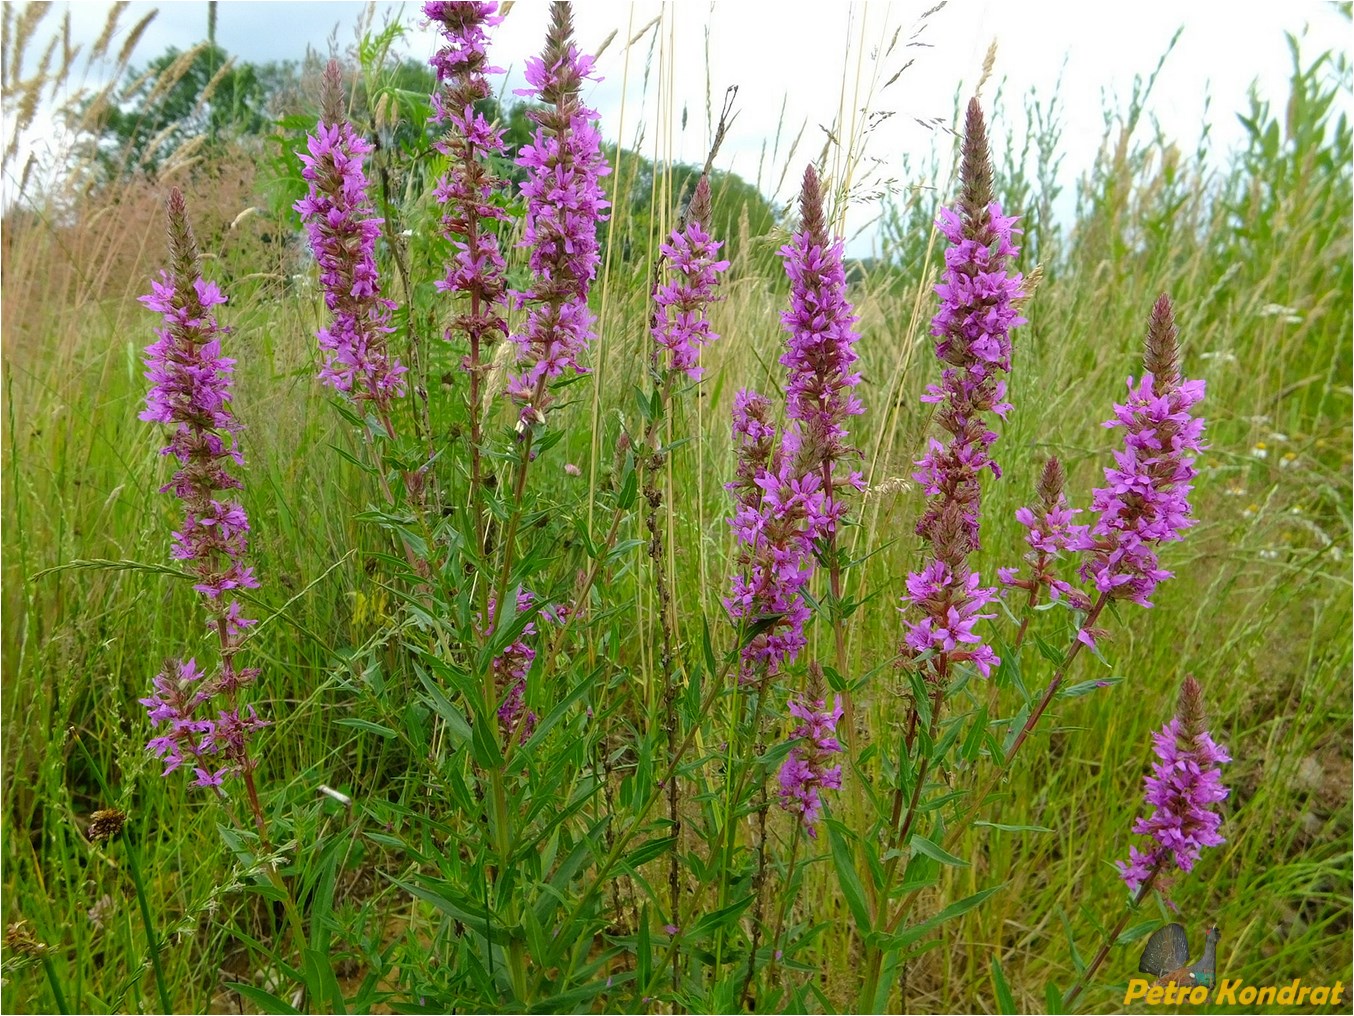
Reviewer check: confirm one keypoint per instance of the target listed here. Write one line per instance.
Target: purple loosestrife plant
(564, 202)
(190, 392)
(978, 297)
(338, 216)
(466, 191)
(1146, 498)
(681, 325)
(1183, 791)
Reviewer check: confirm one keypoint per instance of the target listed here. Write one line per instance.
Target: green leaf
(629, 484)
(712, 922)
(266, 1002)
(909, 935)
(1048, 652)
(1005, 1000)
(1138, 931)
(974, 742)
(484, 744)
(368, 725)
(847, 877)
(647, 852)
(937, 853)
(321, 982)
(1053, 998)
(1086, 687)
(457, 726)
(707, 647)
(1014, 828)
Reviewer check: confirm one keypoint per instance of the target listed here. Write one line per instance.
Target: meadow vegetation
(628, 852)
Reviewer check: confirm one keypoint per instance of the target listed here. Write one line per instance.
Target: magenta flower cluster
(776, 515)
(191, 392)
(978, 308)
(466, 190)
(805, 771)
(681, 325)
(1183, 790)
(820, 356)
(1047, 526)
(564, 202)
(1146, 498)
(977, 312)
(339, 221)
(785, 494)
(513, 664)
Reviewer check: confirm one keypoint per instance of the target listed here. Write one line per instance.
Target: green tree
(177, 97)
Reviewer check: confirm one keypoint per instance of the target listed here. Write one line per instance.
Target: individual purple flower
(338, 216)
(1146, 500)
(820, 356)
(564, 202)
(191, 392)
(805, 771)
(681, 325)
(978, 309)
(1183, 790)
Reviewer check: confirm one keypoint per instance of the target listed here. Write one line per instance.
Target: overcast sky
(795, 56)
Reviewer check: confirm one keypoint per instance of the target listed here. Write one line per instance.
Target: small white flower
(1260, 451)
(1223, 355)
(1269, 553)
(1289, 314)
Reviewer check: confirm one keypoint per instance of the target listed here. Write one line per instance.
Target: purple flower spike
(680, 323)
(1184, 788)
(191, 392)
(466, 191)
(820, 355)
(775, 513)
(1047, 523)
(805, 772)
(786, 493)
(513, 664)
(564, 201)
(337, 213)
(978, 298)
(1146, 500)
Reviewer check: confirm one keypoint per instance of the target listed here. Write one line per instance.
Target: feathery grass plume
(681, 325)
(1183, 790)
(1146, 500)
(190, 391)
(977, 313)
(805, 771)
(337, 213)
(564, 201)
